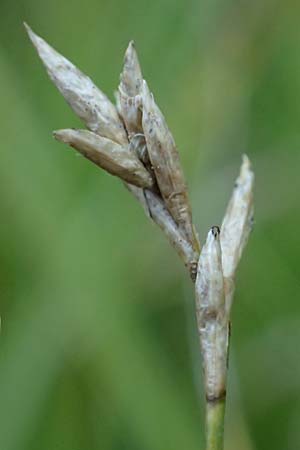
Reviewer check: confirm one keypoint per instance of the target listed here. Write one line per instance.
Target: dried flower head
(215, 282)
(131, 141)
(212, 321)
(87, 101)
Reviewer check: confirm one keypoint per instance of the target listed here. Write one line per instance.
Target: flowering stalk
(133, 142)
(214, 293)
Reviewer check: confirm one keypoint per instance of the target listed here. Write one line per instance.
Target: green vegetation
(97, 341)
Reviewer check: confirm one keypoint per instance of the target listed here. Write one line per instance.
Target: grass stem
(215, 414)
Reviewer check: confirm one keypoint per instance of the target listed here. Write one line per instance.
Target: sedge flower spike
(211, 316)
(236, 227)
(129, 92)
(87, 101)
(132, 141)
(117, 142)
(108, 155)
(214, 291)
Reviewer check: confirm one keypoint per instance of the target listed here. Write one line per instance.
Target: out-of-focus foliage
(98, 342)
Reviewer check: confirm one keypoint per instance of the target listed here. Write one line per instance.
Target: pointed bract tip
(246, 161)
(130, 53)
(131, 45)
(63, 135)
(26, 26)
(32, 36)
(29, 30)
(246, 172)
(44, 50)
(131, 75)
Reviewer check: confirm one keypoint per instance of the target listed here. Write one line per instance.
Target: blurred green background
(98, 347)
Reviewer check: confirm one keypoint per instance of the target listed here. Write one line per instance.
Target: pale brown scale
(164, 158)
(88, 102)
(107, 154)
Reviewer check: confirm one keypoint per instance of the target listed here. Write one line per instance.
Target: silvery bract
(108, 155)
(130, 86)
(164, 158)
(129, 98)
(214, 287)
(236, 226)
(237, 222)
(213, 324)
(86, 100)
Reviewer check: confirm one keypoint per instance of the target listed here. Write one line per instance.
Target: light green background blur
(98, 347)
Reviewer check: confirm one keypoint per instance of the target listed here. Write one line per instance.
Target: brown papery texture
(211, 316)
(107, 154)
(164, 158)
(87, 101)
(236, 226)
(129, 92)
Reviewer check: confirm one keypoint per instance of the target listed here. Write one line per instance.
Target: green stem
(215, 413)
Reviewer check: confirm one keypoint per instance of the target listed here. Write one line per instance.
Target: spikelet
(132, 141)
(87, 101)
(108, 155)
(238, 219)
(211, 316)
(164, 158)
(130, 89)
(144, 155)
(236, 226)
